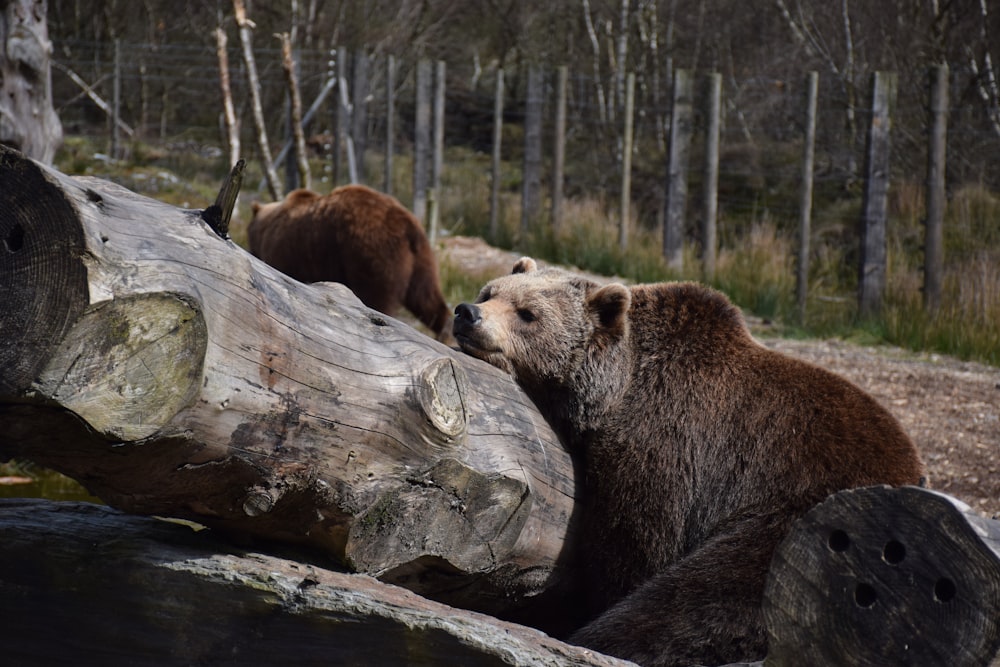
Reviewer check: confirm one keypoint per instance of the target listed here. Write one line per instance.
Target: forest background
(169, 96)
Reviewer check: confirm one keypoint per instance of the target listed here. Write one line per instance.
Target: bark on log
(883, 576)
(85, 584)
(172, 373)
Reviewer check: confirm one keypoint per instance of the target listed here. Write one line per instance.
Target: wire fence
(170, 94)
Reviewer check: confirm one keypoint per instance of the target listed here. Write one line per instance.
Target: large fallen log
(172, 373)
(85, 584)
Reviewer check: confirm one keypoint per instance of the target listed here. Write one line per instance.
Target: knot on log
(442, 387)
(258, 501)
(130, 364)
(448, 513)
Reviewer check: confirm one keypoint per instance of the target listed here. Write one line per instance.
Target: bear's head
(561, 336)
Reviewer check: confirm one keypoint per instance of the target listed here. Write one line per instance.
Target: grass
(755, 265)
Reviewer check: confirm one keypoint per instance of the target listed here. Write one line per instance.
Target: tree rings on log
(130, 364)
(882, 576)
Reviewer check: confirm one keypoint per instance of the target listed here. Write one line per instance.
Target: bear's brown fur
(357, 236)
(700, 447)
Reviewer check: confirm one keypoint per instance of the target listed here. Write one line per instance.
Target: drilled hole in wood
(865, 596)
(839, 541)
(15, 239)
(944, 590)
(893, 552)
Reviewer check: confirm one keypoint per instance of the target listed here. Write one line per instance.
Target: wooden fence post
(495, 168)
(805, 201)
(871, 278)
(341, 115)
(559, 148)
(936, 161)
(116, 103)
(710, 203)
(626, 196)
(437, 162)
(531, 188)
(390, 120)
(680, 145)
(421, 138)
(359, 112)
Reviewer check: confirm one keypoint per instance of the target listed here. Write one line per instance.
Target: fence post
(116, 103)
(340, 115)
(626, 196)
(359, 112)
(495, 169)
(390, 120)
(713, 105)
(559, 149)
(531, 189)
(806, 195)
(871, 279)
(936, 161)
(421, 138)
(437, 163)
(680, 144)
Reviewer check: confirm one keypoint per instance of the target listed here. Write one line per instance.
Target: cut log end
(885, 576)
(41, 249)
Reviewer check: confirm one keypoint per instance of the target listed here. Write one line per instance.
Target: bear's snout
(468, 314)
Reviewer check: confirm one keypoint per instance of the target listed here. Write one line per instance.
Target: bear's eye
(484, 295)
(526, 315)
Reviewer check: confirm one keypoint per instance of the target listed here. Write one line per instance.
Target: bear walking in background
(700, 447)
(357, 236)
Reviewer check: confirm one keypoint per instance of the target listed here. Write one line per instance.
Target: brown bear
(357, 236)
(699, 448)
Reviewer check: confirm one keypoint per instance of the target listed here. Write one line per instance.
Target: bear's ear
(525, 265)
(255, 206)
(608, 308)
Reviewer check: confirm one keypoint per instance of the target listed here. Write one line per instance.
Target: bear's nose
(468, 313)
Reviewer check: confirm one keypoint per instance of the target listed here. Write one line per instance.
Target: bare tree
(27, 120)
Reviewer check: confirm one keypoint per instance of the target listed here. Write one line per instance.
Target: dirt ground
(950, 408)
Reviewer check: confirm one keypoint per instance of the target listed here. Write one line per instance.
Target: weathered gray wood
(531, 172)
(806, 195)
(559, 147)
(27, 117)
(172, 373)
(84, 584)
(937, 147)
(422, 139)
(495, 167)
(710, 182)
(675, 206)
(871, 272)
(883, 576)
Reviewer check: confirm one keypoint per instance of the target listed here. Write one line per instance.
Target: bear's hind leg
(703, 610)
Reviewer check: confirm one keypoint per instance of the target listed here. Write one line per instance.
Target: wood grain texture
(882, 576)
(172, 373)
